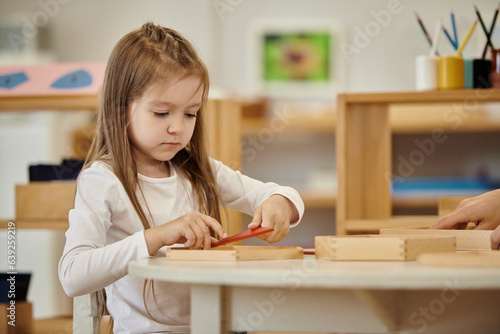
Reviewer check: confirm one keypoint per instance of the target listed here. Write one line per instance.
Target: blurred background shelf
(67, 102)
(403, 118)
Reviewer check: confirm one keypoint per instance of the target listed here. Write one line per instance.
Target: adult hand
(483, 210)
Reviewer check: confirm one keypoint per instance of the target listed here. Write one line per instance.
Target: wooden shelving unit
(55, 102)
(364, 154)
(404, 118)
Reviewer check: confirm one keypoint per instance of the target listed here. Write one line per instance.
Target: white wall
(386, 63)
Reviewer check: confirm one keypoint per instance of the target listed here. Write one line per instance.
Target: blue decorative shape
(76, 79)
(9, 81)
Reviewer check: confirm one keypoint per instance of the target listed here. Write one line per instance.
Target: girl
(148, 183)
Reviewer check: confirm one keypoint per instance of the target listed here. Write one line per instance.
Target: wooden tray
(466, 258)
(377, 247)
(466, 239)
(236, 253)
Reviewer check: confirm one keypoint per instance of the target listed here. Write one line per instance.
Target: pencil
(454, 29)
(483, 26)
(435, 37)
(455, 46)
(466, 38)
(488, 36)
(422, 26)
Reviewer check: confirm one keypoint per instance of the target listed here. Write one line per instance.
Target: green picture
(297, 57)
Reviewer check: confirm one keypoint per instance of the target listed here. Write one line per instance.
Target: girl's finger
(257, 219)
(214, 225)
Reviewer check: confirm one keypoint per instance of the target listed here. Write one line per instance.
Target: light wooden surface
(312, 295)
(489, 258)
(236, 253)
(466, 239)
(380, 247)
(363, 148)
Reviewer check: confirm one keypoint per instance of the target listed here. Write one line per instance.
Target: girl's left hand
(276, 212)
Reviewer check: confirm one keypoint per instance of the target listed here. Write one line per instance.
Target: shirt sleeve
(88, 262)
(245, 194)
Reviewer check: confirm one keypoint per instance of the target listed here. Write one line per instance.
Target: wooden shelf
(465, 96)
(321, 199)
(61, 102)
(403, 118)
(37, 224)
(298, 124)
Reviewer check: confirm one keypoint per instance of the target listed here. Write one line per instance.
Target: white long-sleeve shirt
(105, 234)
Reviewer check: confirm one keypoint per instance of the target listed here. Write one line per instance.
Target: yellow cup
(450, 72)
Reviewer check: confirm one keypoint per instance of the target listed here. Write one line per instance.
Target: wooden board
(41, 201)
(377, 247)
(236, 253)
(467, 258)
(466, 239)
(447, 205)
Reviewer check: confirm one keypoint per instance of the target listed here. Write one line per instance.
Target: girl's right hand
(192, 229)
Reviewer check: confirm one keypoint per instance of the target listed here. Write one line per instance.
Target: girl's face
(162, 122)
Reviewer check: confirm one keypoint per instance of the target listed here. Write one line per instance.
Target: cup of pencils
(426, 72)
(450, 72)
(477, 73)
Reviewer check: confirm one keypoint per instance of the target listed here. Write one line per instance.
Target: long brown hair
(151, 55)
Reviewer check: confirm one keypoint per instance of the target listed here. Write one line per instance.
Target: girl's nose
(176, 124)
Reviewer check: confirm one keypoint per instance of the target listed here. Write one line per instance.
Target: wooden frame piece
(236, 253)
(377, 247)
(466, 239)
(472, 258)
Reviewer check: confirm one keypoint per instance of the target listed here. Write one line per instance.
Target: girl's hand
(276, 212)
(192, 229)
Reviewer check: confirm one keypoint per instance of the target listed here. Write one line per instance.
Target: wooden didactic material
(466, 239)
(377, 247)
(236, 253)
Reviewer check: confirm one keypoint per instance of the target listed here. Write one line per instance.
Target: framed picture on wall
(297, 58)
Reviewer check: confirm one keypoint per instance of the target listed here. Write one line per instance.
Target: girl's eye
(160, 114)
(191, 115)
